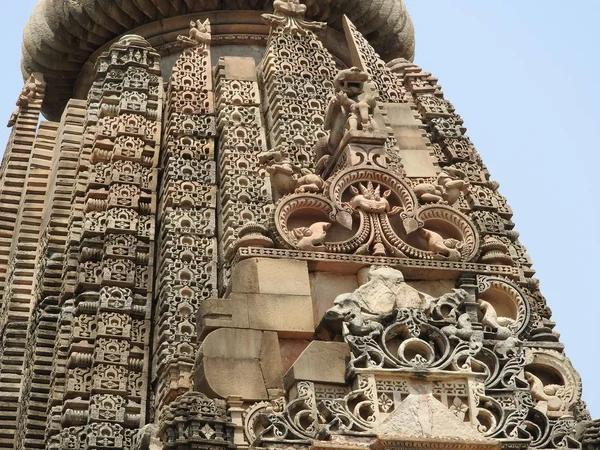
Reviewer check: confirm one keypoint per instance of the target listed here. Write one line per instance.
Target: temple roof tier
(62, 35)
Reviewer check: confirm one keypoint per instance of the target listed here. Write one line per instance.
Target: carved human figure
(199, 34)
(548, 396)
(287, 178)
(361, 113)
(28, 93)
(289, 7)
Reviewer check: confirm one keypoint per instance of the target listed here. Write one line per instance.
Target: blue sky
(523, 76)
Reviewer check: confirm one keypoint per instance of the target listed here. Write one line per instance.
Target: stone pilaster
(244, 188)
(187, 255)
(106, 392)
(18, 301)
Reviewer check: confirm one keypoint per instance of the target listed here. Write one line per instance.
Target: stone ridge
(61, 35)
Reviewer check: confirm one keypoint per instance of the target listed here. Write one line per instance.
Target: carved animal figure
(356, 324)
(491, 320)
(429, 193)
(462, 330)
(448, 247)
(286, 177)
(447, 190)
(369, 199)
(312, 238)
(452, 182)
(508, 347)
(199, 34)
(384, 292)
(446, 307)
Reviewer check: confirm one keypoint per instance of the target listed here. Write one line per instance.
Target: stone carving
(286, 178)
(199, 34)
(311, 238)
(438, 245)
(274, 186)
(382, 213)
(297, 423)
(554, 384)
(29, 93)
(447, 190)
(346, 111)
(289, 16)
(194, 420)
(387, 313)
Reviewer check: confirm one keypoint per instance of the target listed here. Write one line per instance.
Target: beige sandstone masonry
(258, 224)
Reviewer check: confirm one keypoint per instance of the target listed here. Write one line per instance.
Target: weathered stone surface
(170, 237)
(320, 362)
(325, 287)
(290, 316)
(239, 362)
(422, 416)
(270, 276)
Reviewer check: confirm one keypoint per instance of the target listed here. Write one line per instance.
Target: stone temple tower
(257, 223)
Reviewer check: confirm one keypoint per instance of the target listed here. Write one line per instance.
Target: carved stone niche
(503, 308)
(555, 385)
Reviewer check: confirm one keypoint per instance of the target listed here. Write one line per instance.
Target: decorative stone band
(423, 269)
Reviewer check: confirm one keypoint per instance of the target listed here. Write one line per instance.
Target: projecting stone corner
(245, 363)
(240, 352)
(266, 294)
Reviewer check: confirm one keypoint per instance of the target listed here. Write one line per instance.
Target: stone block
(325, 287)
(291, 349)
(321, 362)
(435, 288)
(418, 163)
(291, 316)
(401, 114)
(270, 276)
(240, 68)
(239, 362)
(217, 313)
